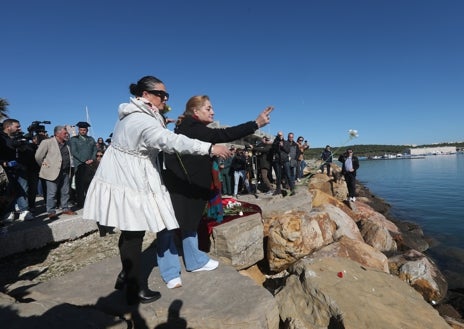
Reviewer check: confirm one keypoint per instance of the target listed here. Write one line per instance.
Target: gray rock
(240, 241)
(339, 293)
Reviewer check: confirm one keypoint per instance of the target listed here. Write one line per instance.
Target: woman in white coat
(127, 191)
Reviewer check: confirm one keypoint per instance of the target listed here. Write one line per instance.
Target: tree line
(372, 150)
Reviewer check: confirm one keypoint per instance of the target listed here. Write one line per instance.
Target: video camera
(20, 138)
(36, 128)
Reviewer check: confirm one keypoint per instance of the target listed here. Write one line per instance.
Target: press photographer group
(35, 128)
(19, 168)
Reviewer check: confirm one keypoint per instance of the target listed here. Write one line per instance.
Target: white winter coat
(127, 191)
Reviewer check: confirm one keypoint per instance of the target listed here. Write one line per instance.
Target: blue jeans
(168, 257)
(61, 183)
(17, 186)
(22, 188)
(300, 168)
(237, 175)
(290, 173)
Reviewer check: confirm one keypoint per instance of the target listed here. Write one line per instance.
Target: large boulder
(332, 185)
(273, 207)
(377, 236)
(354, 250)
(412, 237)
(346, 226)
(339, 293)
(239, 242)
(421, 273)
(297, 234)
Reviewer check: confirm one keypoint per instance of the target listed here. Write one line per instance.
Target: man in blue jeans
(54, 158)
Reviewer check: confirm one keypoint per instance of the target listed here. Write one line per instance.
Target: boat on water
(393, 157)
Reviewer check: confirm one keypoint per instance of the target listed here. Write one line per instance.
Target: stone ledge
(240, 241)
(23, 236)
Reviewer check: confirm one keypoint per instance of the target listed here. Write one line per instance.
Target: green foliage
(372, 150)
(3, 108)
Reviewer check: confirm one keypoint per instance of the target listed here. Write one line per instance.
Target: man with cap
(83, 150)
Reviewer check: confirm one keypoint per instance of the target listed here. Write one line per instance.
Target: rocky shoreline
(453, 304)
(55, 261)
(58, 259)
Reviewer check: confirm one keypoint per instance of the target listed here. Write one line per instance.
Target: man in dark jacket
(350, 164)
(290, 166)
(263, 152)
(15, 153)
(326, 157)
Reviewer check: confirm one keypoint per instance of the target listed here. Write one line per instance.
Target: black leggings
(130, 250)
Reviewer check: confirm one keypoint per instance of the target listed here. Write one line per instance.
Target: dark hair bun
(135, 90)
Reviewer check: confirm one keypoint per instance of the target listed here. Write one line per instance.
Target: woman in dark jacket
(188, 179)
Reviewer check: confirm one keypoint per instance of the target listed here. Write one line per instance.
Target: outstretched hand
(264, 117)
(221, 151)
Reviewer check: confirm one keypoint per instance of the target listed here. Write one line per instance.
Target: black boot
(120, 281)
(135, 295)
(147, 296)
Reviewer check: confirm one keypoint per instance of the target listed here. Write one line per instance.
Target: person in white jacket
(127, 191)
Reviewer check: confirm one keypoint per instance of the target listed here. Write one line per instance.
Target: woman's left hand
(221, 151)
(264, 117)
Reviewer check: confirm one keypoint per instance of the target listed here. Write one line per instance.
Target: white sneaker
(10, 217)
(25, 215)
(174, 283)
(211, 265)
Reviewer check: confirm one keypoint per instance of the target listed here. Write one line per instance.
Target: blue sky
(393, 70)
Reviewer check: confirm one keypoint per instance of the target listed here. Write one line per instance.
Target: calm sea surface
(429, 192)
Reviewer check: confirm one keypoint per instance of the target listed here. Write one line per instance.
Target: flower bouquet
(234, 208)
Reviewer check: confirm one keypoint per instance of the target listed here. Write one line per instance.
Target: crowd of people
(151, 178)
(271, 167)
(59, 168)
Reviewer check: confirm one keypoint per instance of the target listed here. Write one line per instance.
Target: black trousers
(350, 179)
(84, 175)
(278, 172)
(130, 250)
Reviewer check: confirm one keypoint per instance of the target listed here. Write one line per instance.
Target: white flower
(353, 133)
(233, 204)
(240, 213)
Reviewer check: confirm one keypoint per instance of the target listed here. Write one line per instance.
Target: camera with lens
(20, 138)
(36, 128)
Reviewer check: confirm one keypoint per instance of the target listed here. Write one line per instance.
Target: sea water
(428, 191)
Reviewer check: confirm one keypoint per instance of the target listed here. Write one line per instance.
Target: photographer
(239, 167)
(15, 153)
(263, 153)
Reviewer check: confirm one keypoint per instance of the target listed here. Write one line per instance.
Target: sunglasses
(160, 93)
(99, 155)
